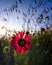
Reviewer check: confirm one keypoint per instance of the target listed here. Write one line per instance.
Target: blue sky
(18, 20)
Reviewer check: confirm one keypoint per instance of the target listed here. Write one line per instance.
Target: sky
(25, 14)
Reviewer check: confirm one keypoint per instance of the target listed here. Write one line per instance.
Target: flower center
(21, 42)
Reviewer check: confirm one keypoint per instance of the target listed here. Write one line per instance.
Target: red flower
(21, 42)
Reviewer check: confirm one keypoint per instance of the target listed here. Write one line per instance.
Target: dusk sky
(23, 14)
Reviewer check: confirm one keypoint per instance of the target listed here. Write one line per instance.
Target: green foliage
(4, 51)
(40, 52)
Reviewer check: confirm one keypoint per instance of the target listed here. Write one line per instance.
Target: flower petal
(27, 46)
(21, 34)
(23, 50)
(27, 38)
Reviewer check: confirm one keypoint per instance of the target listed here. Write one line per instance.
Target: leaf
(20, 1)
(28, 20)
(17, 17)
(43, 3)
(11, 9)
(46, 10)
(25, 15)
(16, 6)
(16, 2)
(48, 0)
(24, 19)
(28, 11)
(16, 10)
(5, 19)
(40, 18)
(35, 1)
(47, 17)
(19, 11)
(51, 8)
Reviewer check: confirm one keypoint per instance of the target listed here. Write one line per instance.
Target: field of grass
(40, 52)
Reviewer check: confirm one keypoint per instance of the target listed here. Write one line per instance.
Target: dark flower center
(21, 42)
